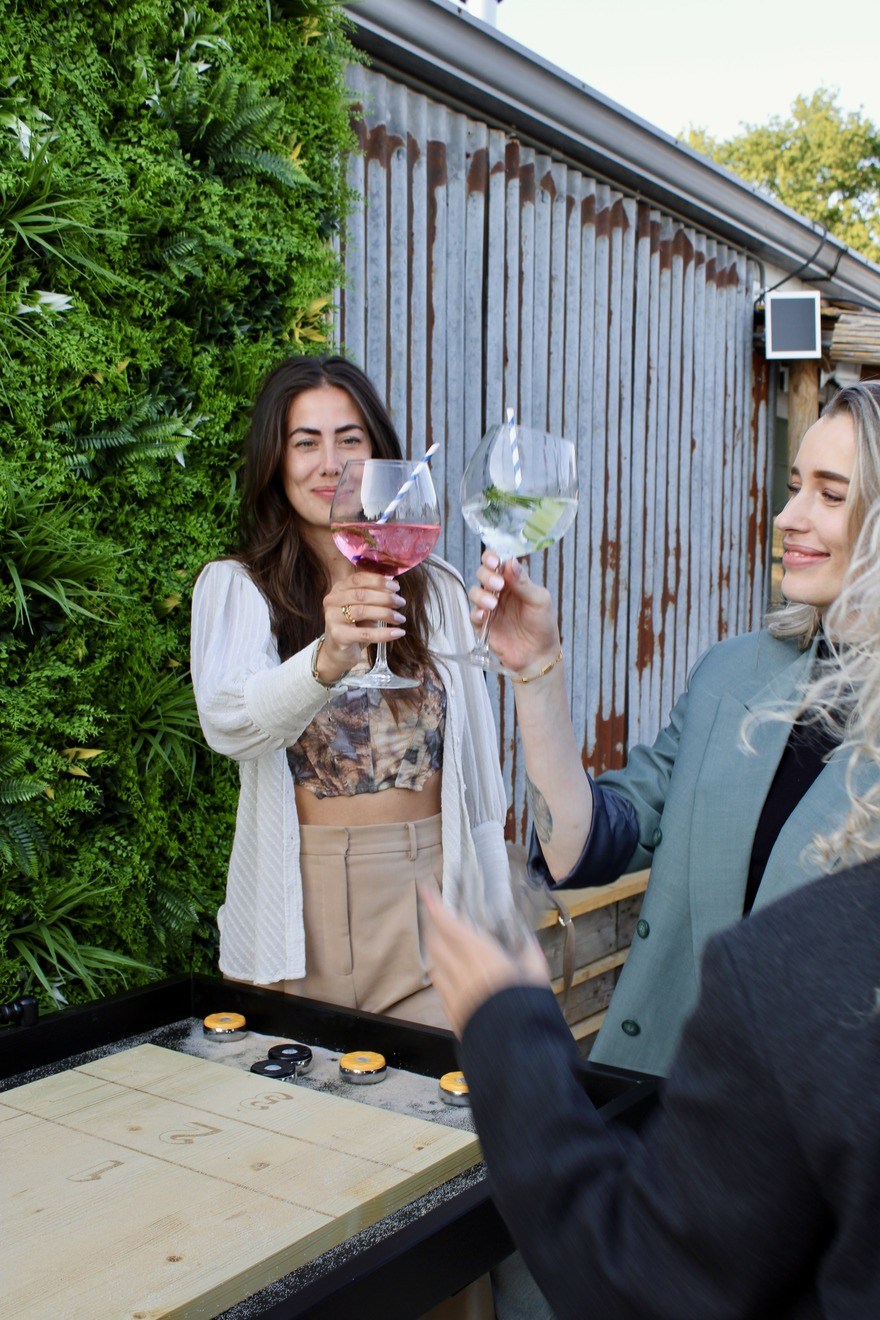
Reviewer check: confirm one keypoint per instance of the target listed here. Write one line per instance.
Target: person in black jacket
(755, 1192)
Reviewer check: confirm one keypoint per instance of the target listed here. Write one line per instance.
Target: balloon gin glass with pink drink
(385, 519)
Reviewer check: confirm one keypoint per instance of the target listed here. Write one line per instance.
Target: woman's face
(325, 428)
(815, 529)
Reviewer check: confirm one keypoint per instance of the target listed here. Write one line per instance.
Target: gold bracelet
(315, 675)
(530, 678)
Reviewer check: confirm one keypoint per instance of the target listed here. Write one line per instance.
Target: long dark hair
(279, 559)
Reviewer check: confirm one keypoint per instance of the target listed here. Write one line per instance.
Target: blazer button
(657, 837)
(629, 1027)
(643, 930)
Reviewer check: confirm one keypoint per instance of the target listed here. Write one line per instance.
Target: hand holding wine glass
(519, 492)
(385, 519)
(523, 614)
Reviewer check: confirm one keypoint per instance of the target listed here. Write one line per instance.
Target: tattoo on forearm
(541, 816)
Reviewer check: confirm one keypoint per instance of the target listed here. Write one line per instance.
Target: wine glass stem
(482, 643)
(381, 663)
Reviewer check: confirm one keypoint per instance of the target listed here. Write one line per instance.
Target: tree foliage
(170, 183)
(820, 160)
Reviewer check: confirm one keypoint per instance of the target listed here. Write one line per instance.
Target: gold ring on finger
(348, 616)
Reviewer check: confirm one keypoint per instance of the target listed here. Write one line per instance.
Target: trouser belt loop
(413, 840)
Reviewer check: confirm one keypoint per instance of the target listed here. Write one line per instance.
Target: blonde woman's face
(815, 521)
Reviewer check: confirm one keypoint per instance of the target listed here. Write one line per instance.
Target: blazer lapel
(730, 792)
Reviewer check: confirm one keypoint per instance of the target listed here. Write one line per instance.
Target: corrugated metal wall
(484, 274)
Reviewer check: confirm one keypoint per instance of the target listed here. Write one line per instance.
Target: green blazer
(698, 794)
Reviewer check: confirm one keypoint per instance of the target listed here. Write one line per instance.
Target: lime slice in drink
(537, 532)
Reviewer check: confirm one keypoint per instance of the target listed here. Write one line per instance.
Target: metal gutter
(447, 52)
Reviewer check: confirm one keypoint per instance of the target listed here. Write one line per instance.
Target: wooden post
(803, 401)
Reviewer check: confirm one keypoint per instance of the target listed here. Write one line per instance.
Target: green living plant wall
(170, 182)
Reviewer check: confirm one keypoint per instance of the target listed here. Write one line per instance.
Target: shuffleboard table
(146, 1170)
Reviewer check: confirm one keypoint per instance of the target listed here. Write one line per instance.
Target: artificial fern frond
(19, 790)
(154, 429)
(229, 123)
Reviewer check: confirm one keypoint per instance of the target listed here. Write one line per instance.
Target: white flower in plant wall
(42, 300)
(29, 139)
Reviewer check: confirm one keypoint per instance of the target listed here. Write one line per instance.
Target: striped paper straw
(514, 450)
(413, 476)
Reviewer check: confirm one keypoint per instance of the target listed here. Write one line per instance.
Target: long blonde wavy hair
(845, 688)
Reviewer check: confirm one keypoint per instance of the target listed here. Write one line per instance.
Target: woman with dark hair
(349, 798)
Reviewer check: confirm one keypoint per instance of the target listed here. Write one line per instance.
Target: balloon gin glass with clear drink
(519, 493)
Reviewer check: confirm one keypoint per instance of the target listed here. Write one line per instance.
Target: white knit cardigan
(252, 708)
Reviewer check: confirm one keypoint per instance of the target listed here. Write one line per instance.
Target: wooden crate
(604, 922)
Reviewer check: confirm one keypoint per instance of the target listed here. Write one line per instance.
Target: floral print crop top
(356, 743)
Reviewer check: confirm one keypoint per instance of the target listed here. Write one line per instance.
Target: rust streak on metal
(527, 183)
(413, 156)
(646, 640)
(548, 183)
(438, 178)
(608, 743)
(378, 144)
(757, 520)
(682, 246)
(643, 223)
(478, 172)
(619, 217)
(588, 210)
(511, 161)
(723, 277)
(670, 589)
(609, 555)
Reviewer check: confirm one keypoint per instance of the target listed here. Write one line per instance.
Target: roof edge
(455, 55)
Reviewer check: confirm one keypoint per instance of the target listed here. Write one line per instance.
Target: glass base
(480, 659)
(378, 678)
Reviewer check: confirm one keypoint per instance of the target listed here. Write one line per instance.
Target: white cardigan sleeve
(248, 702)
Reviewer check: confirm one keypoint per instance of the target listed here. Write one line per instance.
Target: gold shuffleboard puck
(362, 1067)
(454, 1089)
(225, 1026)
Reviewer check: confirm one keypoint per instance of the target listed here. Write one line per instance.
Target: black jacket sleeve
(714, 1214)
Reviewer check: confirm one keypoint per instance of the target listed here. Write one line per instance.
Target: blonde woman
(725, 827)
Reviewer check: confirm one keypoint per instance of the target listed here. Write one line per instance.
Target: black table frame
(407, 1272)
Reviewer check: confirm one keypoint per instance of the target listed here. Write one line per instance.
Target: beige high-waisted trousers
(362, 917)
(364, 944)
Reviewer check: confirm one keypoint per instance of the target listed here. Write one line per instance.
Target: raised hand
(525, 634)
(467, 967)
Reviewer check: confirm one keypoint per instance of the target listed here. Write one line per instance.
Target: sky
(699, 63)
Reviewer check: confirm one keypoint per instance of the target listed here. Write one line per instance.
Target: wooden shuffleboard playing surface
(150, 1183)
